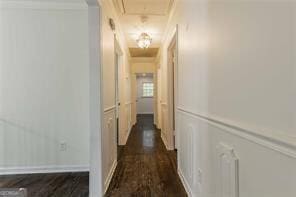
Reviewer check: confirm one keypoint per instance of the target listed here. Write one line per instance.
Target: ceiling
(150, 52)
(156, 13)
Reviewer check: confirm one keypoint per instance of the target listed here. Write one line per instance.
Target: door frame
(137, 92)
(118, 59)
(172, 87)
(96, 99)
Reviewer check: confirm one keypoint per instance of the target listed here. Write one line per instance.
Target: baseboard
(185, 183)
(110, 175)
(42, 4)
(128, 134)
(125, 138)
(42, 170)
(166, 143)
(145, 113)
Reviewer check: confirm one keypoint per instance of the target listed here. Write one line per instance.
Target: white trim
(270, 139)
(172, 84)
(163, 104)
(170, 18)
(96, 99)
(145, 113)
(42, 5)
(110, 175)
(185, 183)
(42, 169)
(128, 133)
(128, 103)
(227, 182)
(164, 140)
(108, 109)
(130, 126)
(117, 47)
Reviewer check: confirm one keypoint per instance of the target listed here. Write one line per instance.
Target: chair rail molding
(109, 109)
(281, 143)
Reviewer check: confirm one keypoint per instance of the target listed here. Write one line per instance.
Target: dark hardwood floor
(49, 185)
(145, 167)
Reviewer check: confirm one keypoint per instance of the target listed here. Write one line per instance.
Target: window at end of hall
(148, 89)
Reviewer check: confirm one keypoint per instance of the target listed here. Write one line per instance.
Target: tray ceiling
(144, 7)
(156, 12)
(150, 52)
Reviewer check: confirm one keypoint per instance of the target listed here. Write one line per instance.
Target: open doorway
(145, 94)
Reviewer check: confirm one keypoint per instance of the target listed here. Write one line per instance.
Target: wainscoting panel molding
(214, 159)
(164, 125)
(227, 176)
(109, 146)
(190, 152)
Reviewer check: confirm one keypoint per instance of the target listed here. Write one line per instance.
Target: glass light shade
(144, 41)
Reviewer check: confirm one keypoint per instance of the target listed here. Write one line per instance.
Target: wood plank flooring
(49, 185)
(146, 168)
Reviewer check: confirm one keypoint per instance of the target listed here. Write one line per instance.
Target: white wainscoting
(128, 107)
(134, 112)
(227, 182)
(109, 147)
(110, 175)
(164, 124)
(221, 160)
(282, 143)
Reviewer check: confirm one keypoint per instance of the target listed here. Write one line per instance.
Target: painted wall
(44, 87)
(236, 97)
(145, 105)
(109, 137)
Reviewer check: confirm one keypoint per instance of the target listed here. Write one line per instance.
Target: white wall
(44, 88)
(145, 105)
(236, 97)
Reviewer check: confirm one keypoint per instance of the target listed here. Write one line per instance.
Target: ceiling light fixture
(144, 41)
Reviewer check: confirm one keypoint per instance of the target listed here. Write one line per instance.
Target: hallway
(146, 168)
(96, 96)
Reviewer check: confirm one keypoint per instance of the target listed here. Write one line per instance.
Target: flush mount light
(144, 41)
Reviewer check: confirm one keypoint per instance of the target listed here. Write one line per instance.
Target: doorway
(118, 94)
(145, 94)
(172, 91)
